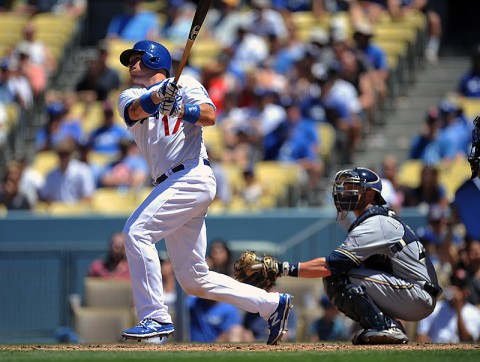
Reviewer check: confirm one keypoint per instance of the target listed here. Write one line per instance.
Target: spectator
(129, 170)
(10, 195)
(338, 103)
(264, 20)
(114, 265)
(212, 321)
(470, 261)
(245, 52)
(4, 126)
(33, 72)
(31, 181)
(429, 192)
(441, 241)
(253, 190)
(426, 146)
(99, 79)
(454, 133)
(39, 53)
(177, 31)
(302, 145)
(224, 190)
(168, 281)
(60, 126)
(106, 138)
(469, 84)
(376, 58)
(222, 23)
(389, 175)
(332, 326)
(71, 182)
(434, 23)
(133, 24)
(454, 320)
(14, 86)
(219, 257)
(355, 72)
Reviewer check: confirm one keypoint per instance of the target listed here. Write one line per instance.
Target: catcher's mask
(350, 185)
(474, 157)
(154, 55)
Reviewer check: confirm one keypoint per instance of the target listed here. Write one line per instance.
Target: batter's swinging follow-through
(166, 120)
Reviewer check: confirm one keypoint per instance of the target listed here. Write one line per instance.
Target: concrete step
(397, 127)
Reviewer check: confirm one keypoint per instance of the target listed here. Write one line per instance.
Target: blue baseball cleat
(277, 322)
(148, 328)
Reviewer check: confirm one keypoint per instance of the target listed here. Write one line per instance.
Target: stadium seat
(100, 292)
(470, 106)
(101, 325)
(409, 173)
(452, 175)
(327, 135)
(45, 161)
(110, 200)
(62, 209)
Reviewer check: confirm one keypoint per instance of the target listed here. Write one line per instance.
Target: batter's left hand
(171, 106)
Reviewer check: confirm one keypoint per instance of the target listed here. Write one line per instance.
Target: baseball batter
(166, 121)
(381, 272)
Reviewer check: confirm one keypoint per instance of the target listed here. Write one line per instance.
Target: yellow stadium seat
(327, 135)
(452, 175)
(470, 106)
(409, 173)
(110, 200)
(62, 209)
(213, 138)
(12, 23)
(101, 292)
(45, 161)
(101, 325)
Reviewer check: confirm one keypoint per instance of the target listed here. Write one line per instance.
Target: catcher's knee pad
(352, 300)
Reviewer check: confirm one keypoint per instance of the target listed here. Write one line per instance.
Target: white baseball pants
(175, 211)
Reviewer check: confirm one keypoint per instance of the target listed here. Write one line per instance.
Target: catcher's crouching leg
(352, 300)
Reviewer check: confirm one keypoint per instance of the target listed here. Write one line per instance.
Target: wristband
(147, 104)
(292, 270)
(191, 113)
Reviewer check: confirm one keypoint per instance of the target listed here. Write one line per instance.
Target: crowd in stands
(274, 81)
(274, 85)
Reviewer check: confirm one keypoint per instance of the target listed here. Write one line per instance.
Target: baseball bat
(198, 18)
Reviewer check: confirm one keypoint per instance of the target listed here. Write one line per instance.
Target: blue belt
(176, 169)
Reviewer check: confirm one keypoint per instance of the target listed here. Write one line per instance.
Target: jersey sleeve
(193, 92)
(371, 237)
(125, 99)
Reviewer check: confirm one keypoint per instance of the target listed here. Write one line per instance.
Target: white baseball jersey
(175, 211)
(174, 141)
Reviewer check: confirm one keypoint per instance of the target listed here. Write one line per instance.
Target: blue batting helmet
(155, 55)
(346, 199)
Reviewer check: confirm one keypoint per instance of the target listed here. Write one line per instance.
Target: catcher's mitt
(261, 272)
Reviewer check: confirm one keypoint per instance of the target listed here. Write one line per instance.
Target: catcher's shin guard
(352, 300)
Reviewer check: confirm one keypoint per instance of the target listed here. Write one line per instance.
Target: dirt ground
(241, 347)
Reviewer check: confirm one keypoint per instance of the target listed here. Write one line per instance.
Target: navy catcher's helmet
(346, 199)
(155, 55)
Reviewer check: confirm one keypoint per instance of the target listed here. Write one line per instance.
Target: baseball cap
(447, 106)
(56, 108)
(363, 29)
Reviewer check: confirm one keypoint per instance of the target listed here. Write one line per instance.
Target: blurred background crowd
(302, 89)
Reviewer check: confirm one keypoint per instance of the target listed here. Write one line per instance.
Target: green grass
(263, 356)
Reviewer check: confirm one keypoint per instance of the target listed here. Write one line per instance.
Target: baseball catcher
(379, 274)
